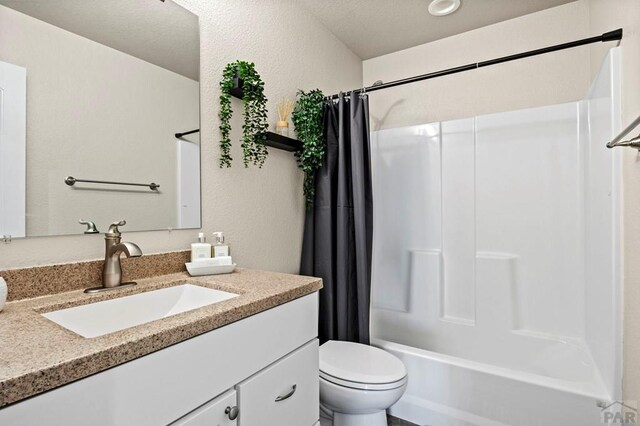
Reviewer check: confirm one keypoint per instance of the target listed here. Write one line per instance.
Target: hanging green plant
(307, 119)
(254, 127)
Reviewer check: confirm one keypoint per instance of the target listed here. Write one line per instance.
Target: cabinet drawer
(285, 393)
(213, 413)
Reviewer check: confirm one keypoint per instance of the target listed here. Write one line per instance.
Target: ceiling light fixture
(443, 7)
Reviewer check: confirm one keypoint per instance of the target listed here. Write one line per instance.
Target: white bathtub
(450, 391)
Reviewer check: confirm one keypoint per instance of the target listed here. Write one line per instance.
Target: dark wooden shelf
(275, 140)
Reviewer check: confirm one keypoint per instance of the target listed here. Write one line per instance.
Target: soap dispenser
(219, 247)
(201, 249)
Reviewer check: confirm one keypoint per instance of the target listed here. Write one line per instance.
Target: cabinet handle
(288, 395)
(232, 412)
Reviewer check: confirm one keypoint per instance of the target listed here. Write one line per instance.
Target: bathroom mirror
(96, 91)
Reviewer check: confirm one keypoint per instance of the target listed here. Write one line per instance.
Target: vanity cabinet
(249, 364)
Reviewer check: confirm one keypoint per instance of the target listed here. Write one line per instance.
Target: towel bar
(631, 143)
(70, 180)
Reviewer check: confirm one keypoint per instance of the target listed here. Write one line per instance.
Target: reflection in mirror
(97, 90)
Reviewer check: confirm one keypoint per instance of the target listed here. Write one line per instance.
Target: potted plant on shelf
(254, 127)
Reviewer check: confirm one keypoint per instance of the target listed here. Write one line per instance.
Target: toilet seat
(359, 366)
(363, 386)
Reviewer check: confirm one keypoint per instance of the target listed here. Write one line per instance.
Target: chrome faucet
(112, 270)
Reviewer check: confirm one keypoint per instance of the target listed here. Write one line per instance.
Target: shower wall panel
(458, 221)
(407, 210)
(602, 200)
(501, 191)
(529, 206)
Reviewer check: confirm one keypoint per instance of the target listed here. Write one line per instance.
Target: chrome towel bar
(631, 143)
(70, 180)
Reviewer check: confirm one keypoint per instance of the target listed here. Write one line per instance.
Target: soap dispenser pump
(201, 249)
(219, 247)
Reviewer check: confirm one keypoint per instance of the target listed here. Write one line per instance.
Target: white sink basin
(97, 319)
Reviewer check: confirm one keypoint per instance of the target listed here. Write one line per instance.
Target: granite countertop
(37, 355)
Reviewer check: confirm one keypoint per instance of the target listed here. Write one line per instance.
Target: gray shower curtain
(338, 229)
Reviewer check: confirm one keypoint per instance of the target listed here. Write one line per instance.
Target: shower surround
(496, 262)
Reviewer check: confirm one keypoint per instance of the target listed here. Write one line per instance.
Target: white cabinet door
(284, 394)
(217, 412)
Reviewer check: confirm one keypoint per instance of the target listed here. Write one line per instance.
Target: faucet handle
(91, 226)
(113, 229)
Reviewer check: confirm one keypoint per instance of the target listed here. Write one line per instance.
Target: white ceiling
(372, 28)
(164, 34)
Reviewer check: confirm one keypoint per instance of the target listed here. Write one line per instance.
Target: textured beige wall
(261, 211)
(77, 109)
(543, 80)
(606, 15)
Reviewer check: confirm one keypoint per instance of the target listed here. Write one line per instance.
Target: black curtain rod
(609, 36)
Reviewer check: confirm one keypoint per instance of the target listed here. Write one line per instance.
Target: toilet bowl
(358, 383)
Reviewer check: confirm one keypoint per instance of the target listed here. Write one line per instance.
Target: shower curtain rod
(605, 37)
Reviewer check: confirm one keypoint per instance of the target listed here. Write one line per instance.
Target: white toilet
(358, 383)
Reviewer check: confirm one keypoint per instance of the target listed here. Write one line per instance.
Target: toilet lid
(355, 362)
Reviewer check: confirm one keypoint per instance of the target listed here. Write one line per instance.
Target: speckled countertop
(37, 355)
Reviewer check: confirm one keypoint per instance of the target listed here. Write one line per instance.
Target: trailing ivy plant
(254, 127)
(307, 118)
